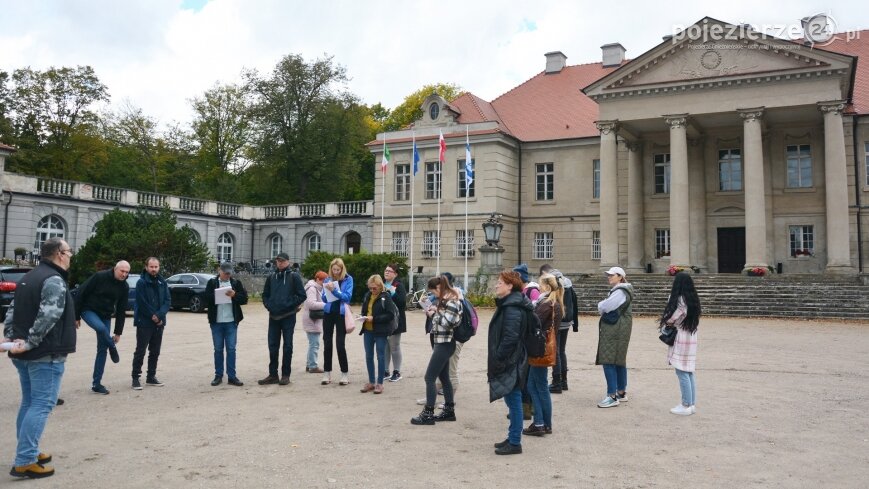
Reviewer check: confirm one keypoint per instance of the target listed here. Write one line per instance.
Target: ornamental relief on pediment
(716, 59)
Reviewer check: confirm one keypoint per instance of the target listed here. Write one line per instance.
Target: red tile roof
(551, 106)
(474, 109)
(858, 46)
(7, 148)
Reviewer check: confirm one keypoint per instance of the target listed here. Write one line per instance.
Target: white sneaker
(345, 379)
(693, 409)
(421, 401)
(682, 410)
(327, 378)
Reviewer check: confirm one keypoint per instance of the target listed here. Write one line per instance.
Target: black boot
(425, 417)
(564, 380)
(447, 414)
(555, 386)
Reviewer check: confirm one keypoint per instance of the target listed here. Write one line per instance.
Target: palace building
(721, 150)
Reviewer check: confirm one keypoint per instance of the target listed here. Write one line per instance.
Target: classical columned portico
(636, 224)
(609, 194)
(697, 203)
(755, 198)
(836, 184)
(680, 254)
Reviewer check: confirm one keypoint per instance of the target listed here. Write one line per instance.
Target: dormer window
(434, 110)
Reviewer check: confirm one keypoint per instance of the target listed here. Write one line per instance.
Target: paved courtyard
(780, 404)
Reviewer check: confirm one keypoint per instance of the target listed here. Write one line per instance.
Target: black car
(188, 290)
(9, 278)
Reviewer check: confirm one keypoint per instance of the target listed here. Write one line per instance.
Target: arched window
(353, 242)
(93, 231)
(195, 235)
(313, 242)
(276, 244)
(224, 247)
(49, 227)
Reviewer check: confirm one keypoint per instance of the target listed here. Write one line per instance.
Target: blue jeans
(281, 328)
(538, 389)
(313, 349)
(375, 342)
(103, 328)
(40, 383)
(616, 378)
(513, 400)
(686, 385)
(224, 334)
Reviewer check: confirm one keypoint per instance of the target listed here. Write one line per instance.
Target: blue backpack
(467, 327)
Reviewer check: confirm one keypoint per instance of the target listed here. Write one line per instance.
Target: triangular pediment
(436, 111)
(711, 50)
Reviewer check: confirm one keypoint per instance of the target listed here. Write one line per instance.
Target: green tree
(308, 129)
(134, 236)
(411, 109)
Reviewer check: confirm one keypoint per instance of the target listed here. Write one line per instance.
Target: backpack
(467, 326)
(535, 340)
(393, 325)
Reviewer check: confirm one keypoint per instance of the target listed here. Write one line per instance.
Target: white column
(679, 197)
(697, 206)
(755, 199)
(836, 185)
(609, 194)
(636, 221)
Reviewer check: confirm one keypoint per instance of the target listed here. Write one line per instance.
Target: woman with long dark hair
(683, 312)
(445, 316)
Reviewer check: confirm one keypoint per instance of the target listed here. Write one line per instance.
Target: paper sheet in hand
(220, 296)
(424, 303)
(330, 297)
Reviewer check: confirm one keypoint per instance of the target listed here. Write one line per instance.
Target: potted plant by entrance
(757, 272)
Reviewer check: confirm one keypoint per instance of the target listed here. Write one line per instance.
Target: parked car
(9, 278)
(188, 290)
(131, 295)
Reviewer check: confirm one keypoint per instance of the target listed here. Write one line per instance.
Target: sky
(159, 54)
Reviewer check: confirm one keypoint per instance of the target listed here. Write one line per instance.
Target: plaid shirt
(445, 319)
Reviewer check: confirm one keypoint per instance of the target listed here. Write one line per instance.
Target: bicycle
(413, 300)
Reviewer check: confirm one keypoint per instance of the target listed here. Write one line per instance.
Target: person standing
(614, 337)
(399, 297)
(570, 320)
(313, 326)
(445, 316)
(337, 292)
(282, 295)
(149, 318)
(507, 359)
(549, 310)
(683, 312)
(41, 323)
(377, 319)
(224, 319)
(101, 295)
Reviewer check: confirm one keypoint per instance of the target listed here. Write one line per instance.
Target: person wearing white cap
(614, 336)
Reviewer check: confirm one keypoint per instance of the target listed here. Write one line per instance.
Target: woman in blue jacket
(337, 291)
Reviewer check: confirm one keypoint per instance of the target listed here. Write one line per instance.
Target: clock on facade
(433, 111)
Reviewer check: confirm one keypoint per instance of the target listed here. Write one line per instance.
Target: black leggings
(334, 321)
(439, 368)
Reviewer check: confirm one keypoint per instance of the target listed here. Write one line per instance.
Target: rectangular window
(431, 244)
(595, 245)
(799, 165)
(729, 170)
(595, 179)
(802, 240)
(462, 183)
(433, 181)
(545, 181)
(662, 173)
(543, 246)
(402, 182)
(866, 155)
(464, 243)
(400, 242)
(662, 243)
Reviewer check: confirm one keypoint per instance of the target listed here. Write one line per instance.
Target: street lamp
(492, 229)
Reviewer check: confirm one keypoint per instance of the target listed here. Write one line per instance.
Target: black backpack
(393, 325)
(467, 326)
(535, 340)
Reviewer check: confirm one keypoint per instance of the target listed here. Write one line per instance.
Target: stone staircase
(779, 296)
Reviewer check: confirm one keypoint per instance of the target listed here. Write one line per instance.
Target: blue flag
(415, 159)
(469, 167)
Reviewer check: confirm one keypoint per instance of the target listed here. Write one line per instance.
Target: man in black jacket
(101, 295)
(152, 306)
(224, 318)
(41, 323)
(282, 295)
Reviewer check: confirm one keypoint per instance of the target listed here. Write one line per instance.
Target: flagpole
(383, 192)
(441, 158)
(467, 195)
(412, 185)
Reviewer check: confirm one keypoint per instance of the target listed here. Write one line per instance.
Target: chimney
(613, 54)
(555, 61)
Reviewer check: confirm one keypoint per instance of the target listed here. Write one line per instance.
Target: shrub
(359, 265)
